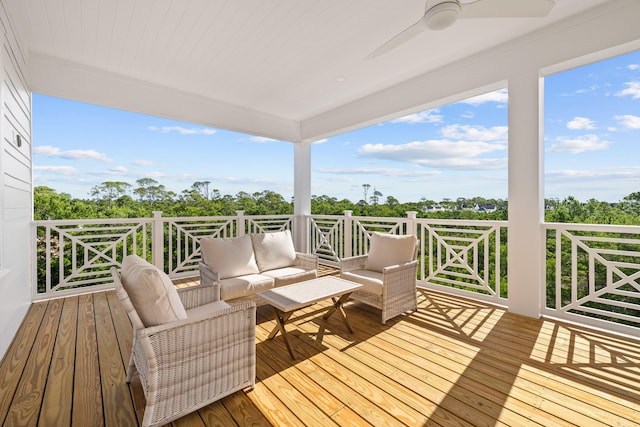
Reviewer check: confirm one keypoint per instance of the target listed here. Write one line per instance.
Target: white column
(526, 195)
(301, 193)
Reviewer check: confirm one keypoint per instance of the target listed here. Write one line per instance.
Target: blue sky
(592, 147)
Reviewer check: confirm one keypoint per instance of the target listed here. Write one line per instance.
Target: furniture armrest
(401, 276)
(353, 263)
(400, 267)
(195, 296)
(208, 277)
(206, 328)
(179, 348)
(307, 261)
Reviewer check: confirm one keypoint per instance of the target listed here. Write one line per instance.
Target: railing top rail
(463, 222)
(379, 218)
(270, 216)
(102, 221)
(223, 217)
(611, 228)
(198, 218)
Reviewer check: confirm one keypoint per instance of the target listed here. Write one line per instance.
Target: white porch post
(157, 240)
(301, 194)
(526, 196)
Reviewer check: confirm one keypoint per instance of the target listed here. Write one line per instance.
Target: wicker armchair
(187, 364)
(390, 286)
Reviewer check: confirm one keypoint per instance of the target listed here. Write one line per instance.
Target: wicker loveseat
(189, 348)
(247, 264)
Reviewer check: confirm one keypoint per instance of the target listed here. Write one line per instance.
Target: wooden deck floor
(452, 363)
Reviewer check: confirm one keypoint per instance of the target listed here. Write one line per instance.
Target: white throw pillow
(151, 292)
(229, 256)
(274, 250)
(389, 249)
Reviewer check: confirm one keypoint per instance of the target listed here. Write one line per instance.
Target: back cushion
(229, 257)
(151, 292)
(389, 249)
(274, 250)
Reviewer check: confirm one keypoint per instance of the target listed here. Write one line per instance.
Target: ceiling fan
(441, 14)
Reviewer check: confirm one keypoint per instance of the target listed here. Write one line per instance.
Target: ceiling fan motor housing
(442, 15)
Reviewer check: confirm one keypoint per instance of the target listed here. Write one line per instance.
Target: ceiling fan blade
(400, 39)
(506, 9)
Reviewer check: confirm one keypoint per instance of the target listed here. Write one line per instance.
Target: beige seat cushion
(371, 281)
(389, 249)
(151, 291)
(289, 275)
(229, 257)
(206, 309)
(242, 286)
(274, 250)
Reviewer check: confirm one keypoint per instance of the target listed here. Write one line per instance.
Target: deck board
(16, 357)
(87, 393)
(58, 396)
(454, 362)
(27, 400)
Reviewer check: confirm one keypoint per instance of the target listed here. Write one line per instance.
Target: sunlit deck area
(453, 362)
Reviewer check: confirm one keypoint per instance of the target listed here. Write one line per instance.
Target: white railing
(180, 247)
(592, 272)
(333, 237)
(75, 256)
(593, 275)
(72, 255)
(467, 258)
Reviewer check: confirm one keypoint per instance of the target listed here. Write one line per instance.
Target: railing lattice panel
(463, 256)
(182, 253)
(327, 238)
(72, 255)
(594, 273)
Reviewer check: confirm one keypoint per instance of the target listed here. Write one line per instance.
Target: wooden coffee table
(287, 299)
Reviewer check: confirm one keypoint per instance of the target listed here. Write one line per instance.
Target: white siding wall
(15, 185)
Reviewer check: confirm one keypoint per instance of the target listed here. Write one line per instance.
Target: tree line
(119, 199)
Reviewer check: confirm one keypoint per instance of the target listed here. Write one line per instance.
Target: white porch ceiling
(270, 67)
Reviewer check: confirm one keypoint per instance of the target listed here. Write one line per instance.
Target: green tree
(49, 204)
(109, 191)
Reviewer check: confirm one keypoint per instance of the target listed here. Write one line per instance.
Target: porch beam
(525, 195)
(65, 79)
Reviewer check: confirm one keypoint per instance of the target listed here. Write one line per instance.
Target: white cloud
(632, 90)
(591, 88)
(428, 116)
(579, 145)
(51, 151)
(466, 163)
(182, 130)
(439, 153)
(634, 67)
(62, 170)
(624, 173)
(629, 121)
(261, 139)
(475, 133)
(145, 163)
(119, 169)
(500, 96)
(395, 172)
(581, 123)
